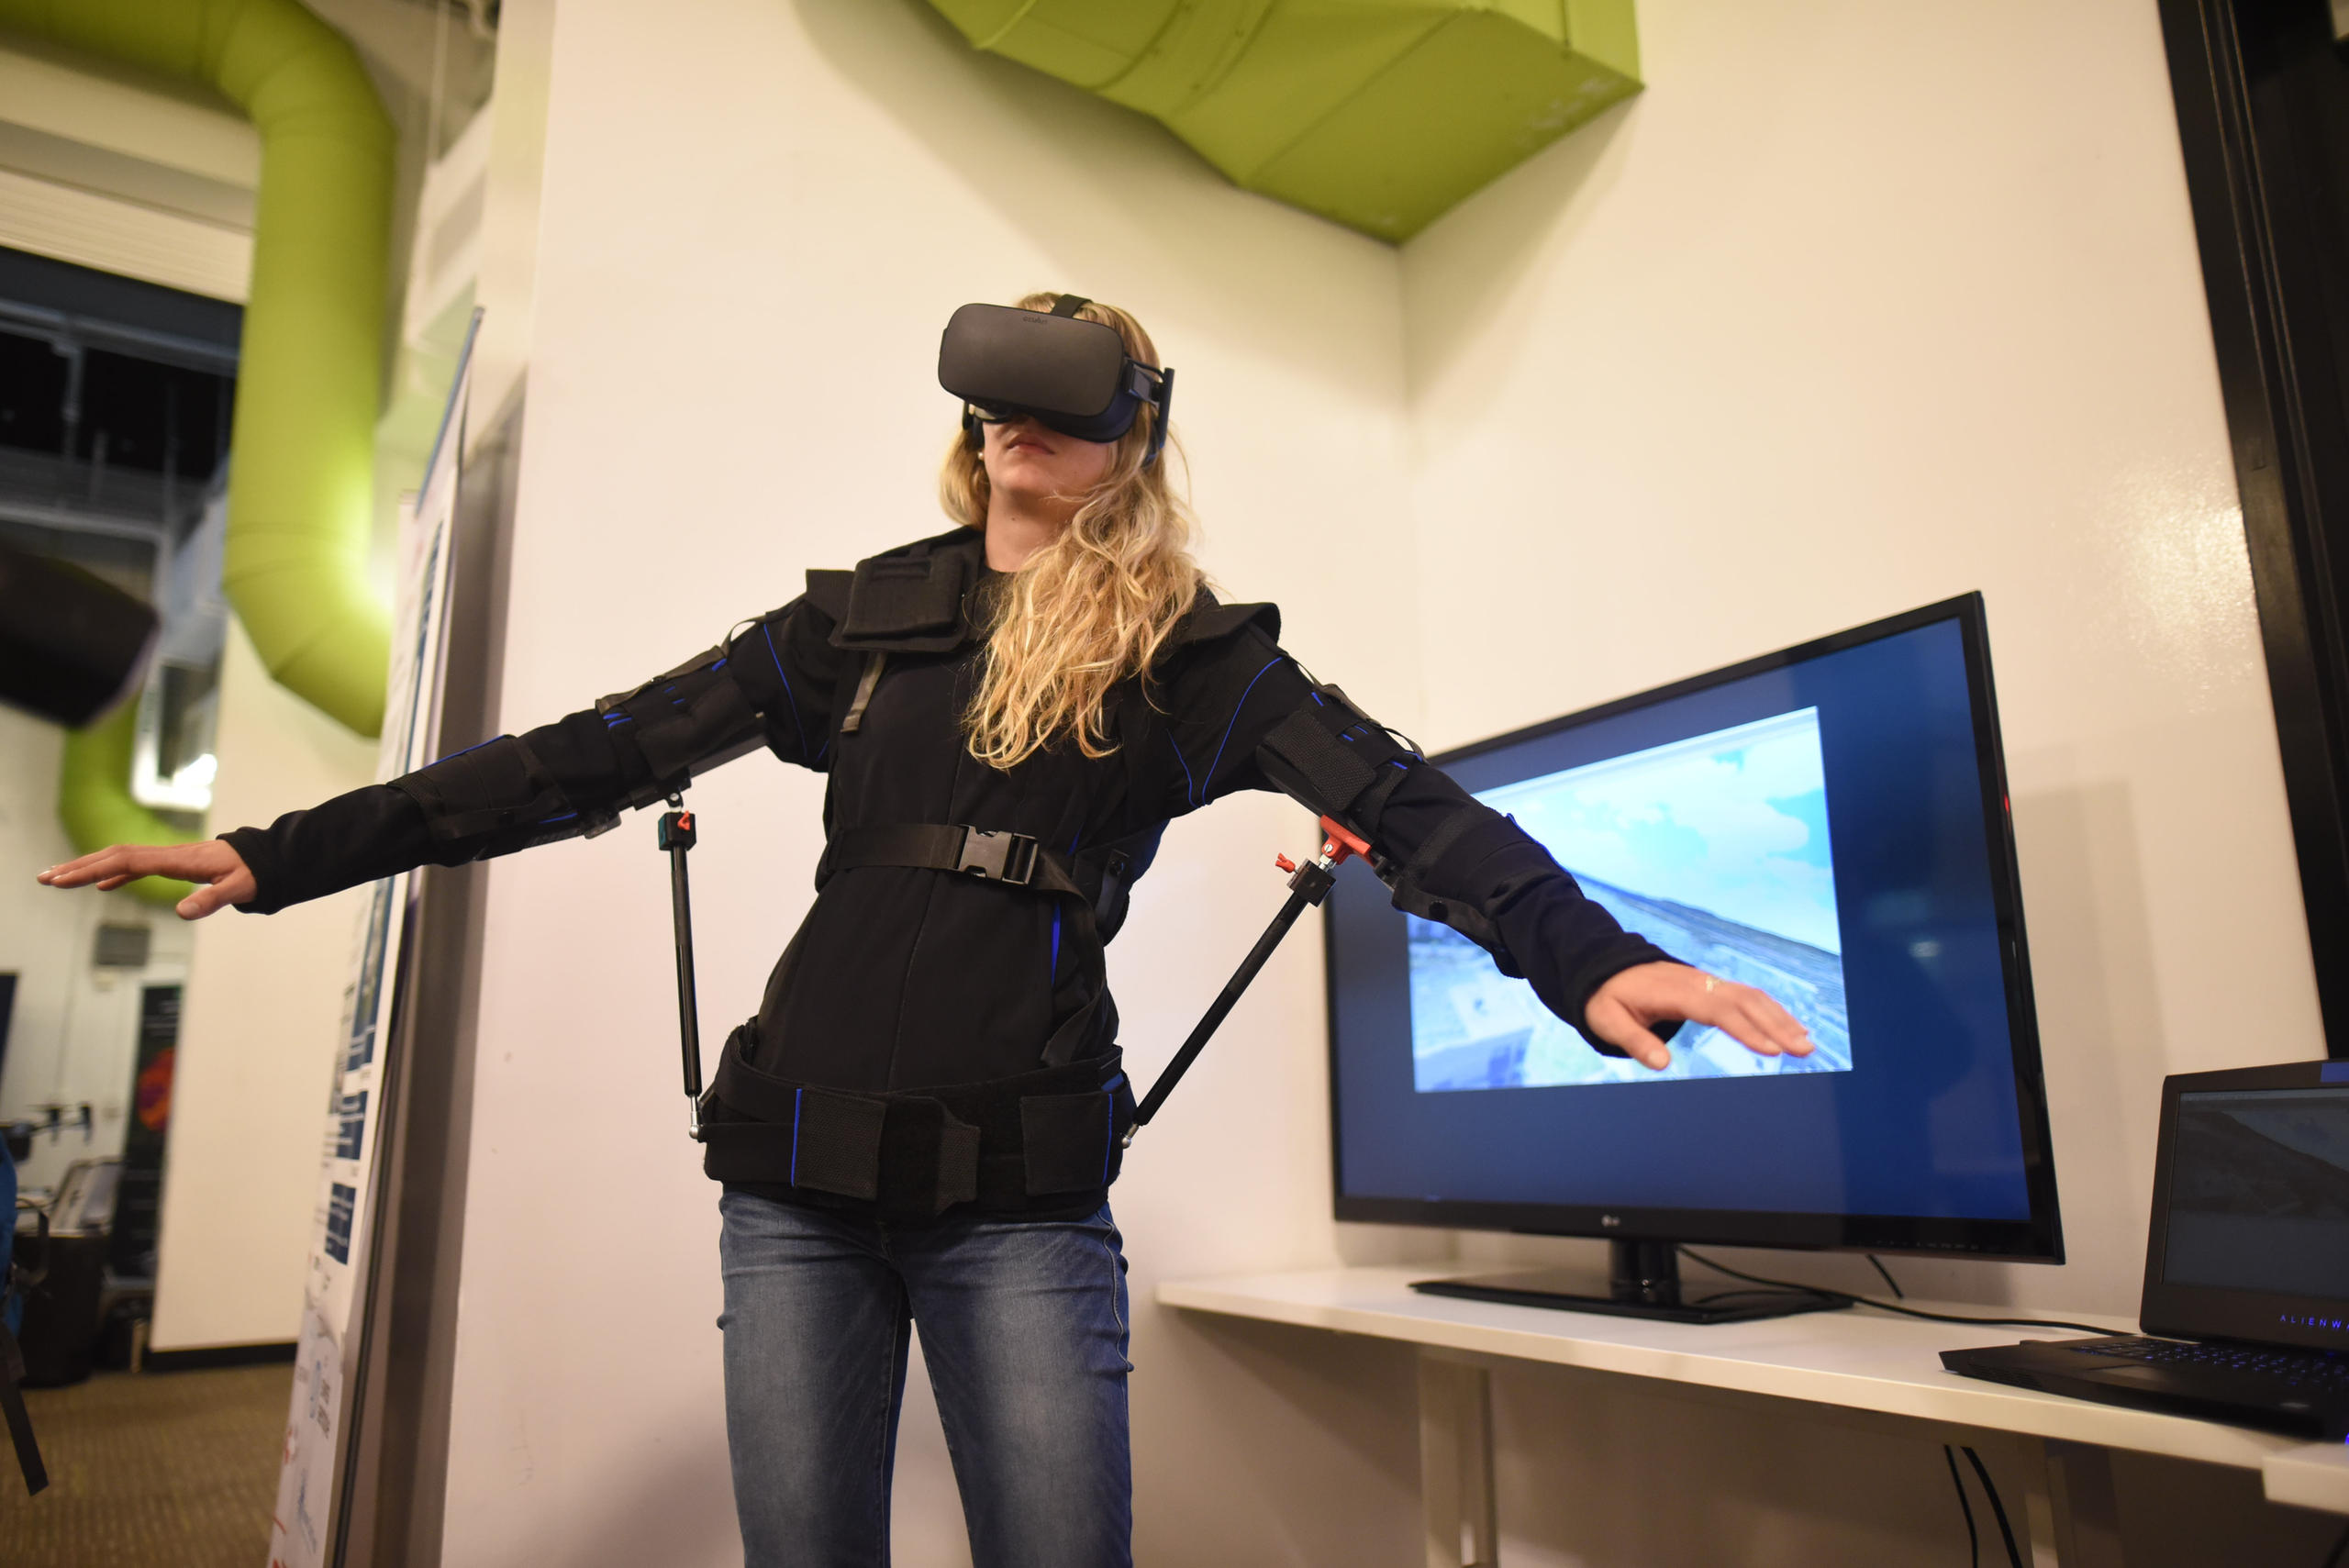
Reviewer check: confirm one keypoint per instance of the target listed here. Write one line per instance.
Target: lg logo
(1610, 1221)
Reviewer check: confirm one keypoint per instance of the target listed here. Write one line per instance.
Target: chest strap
(916, 1154)
(1014, 859)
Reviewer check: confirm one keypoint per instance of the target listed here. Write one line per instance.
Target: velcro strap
(487, 788)
(1413, 896)
(836, 1142)
(1072, 1141)
(929, 1158)
(915, 1155)
(905, 596)
(908, 1153)
(1334, 770)
(1334, 747)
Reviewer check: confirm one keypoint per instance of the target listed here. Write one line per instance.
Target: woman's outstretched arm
(770, 682)
(1244, 716)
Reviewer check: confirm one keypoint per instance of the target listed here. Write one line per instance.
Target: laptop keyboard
(2313, 1369)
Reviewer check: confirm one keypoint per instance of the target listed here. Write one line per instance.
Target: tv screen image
(1829, 823)
(1716, 849)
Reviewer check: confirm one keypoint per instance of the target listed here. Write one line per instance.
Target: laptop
(2246, 1306)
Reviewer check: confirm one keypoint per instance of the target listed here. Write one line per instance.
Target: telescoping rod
(677, 836)
(1225, 1001)
(1309, 884)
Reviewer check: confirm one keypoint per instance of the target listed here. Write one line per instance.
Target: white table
(1857, 1367)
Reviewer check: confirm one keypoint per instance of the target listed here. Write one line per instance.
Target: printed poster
(336, 1284)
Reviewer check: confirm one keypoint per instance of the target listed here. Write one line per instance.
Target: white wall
(756, 217)
(257, 1039)
(73, 1038)
(1852, 310)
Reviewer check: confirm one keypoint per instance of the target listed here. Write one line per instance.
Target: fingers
(1612, 1023)
(116, 865)
(211, 899)
(82, 870)
(1781, 1025)
(1753, 1019)
(1648, 992)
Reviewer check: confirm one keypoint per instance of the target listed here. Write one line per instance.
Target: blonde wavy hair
(1093, 607)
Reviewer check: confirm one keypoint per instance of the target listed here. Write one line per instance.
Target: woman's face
(1029, 464)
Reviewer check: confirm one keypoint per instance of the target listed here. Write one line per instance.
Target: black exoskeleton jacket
(904, 977)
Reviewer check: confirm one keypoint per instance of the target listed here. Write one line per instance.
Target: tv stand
(1643, 1281)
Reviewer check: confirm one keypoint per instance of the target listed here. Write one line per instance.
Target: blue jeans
(1023, 1326)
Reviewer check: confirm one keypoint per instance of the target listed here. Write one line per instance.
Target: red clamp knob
(1284, 862)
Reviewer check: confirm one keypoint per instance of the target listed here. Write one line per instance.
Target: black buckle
(1001, 857)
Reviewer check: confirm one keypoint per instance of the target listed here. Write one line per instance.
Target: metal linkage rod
(1222, 1009)
(677, 836)
(1309, 884)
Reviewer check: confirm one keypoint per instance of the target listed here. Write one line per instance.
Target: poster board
(322, 1425)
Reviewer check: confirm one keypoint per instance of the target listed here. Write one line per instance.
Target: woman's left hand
(1621, 1011)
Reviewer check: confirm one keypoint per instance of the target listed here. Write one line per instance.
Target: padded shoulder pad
(912, 599)
(1209, 620)
(828, 591)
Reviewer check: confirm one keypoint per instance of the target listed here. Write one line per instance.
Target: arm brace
(576, 775)
(562, 780)
(1449, 858)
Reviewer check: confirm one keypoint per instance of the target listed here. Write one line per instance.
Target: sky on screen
(1733, 822)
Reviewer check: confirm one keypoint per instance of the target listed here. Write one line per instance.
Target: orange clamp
(1338, 842)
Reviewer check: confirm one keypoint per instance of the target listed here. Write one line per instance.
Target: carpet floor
(174, 1468)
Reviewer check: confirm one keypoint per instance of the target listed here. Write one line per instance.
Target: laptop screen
(2259, 1192)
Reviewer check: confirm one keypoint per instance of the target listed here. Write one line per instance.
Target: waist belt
(916, 1153)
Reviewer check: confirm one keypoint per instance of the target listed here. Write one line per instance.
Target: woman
(1010, 714)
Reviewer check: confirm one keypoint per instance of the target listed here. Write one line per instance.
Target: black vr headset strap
(1163, 402)
(1161, 396)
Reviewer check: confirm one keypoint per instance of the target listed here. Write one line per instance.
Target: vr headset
(1069, 375)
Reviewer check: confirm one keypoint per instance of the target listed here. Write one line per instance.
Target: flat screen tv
(1829, 823)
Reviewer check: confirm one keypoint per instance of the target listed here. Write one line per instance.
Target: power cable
(1972, 1537)
(1998, 1509)
(1813, 1290)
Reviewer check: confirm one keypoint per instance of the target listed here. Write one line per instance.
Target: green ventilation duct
(1377, 114)
(94, 798)
(310, 371)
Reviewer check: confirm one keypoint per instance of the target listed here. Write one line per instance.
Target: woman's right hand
(219, 870)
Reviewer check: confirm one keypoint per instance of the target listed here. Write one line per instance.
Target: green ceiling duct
(311, 373)
(94, 798)
(1378, 114)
